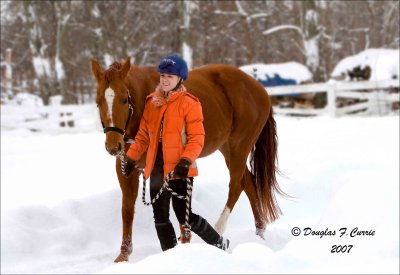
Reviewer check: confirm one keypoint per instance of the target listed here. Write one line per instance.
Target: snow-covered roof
(384, 64)
(288, 70)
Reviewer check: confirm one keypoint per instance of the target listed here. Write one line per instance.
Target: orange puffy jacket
(182, 132)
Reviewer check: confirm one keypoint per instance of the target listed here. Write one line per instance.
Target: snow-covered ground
(60, 203)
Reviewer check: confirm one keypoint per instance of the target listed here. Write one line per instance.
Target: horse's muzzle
(115, 150)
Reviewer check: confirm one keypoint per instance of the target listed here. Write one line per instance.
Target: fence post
(7, 95)
(66, 119)
(331, 100)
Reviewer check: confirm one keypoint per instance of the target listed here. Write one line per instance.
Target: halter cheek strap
(117, 129)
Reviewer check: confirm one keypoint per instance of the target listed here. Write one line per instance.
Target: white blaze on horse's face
(109, 96)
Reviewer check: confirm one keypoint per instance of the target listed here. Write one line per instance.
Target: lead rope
(165, 186)
(189, 187)
(123, 160)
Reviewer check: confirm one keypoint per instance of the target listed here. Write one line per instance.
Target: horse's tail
(263, 162)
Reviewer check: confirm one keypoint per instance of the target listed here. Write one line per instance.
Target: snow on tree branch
(220, 12)
(284, 27)
(240, 9)
(259, 15)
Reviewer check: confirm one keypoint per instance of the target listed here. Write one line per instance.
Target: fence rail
(379, 99)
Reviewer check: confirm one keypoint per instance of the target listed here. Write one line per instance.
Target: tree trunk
(246, 32)
(311, 46)
(185, 33)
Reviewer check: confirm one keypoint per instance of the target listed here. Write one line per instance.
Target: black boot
(205, 231)
(166, 235)
(223, 243)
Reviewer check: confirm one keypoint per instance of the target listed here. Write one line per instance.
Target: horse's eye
(125, 100)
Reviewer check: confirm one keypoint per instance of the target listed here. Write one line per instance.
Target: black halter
(117, 129)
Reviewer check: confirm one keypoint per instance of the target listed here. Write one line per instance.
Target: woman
(172, 132)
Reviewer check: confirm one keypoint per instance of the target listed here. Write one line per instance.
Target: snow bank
(60, 205)
(289, 70)
(384, 64)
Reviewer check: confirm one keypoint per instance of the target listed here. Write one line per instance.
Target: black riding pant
(161, 209)
(161, 206)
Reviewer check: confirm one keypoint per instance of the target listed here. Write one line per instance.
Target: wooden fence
(378, 97)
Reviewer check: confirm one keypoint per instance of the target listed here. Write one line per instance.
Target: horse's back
(235, 82)
(217, 110)
(234, 103)
(241, 90)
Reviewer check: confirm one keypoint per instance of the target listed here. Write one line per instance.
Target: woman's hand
(182, 169)
(127, 166)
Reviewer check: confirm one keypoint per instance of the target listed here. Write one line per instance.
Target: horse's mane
(109, 73)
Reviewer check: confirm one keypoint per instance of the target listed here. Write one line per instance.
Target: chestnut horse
(238, 121)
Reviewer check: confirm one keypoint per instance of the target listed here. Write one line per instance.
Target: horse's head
(114, 103)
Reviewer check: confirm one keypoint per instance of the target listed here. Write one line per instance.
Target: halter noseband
(114, 129)
(117, 129)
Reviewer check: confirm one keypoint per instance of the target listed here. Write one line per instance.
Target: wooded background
(68, 34)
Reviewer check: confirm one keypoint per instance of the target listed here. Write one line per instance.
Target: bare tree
(187, 51)
(53, 41)
(44, 46)
(310, 32)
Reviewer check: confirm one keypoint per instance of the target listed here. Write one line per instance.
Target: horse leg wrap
(186, 236)
(260, 229)
(166, 235)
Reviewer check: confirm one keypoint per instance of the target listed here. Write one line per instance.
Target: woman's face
(168, 81)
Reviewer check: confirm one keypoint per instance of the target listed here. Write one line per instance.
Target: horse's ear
(96, 70)
(126, 67)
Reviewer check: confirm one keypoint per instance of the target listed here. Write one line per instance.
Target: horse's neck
(141, 83)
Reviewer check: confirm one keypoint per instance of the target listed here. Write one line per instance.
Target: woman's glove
(127, 166)
(182, 168)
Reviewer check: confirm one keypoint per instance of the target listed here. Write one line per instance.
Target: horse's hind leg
(234, 192)
(236, 165)
(251, 193)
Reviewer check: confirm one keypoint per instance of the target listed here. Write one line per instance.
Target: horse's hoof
(260, 232)
(126, 250)
(122, 257)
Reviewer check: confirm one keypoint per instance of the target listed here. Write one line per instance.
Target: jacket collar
(158, 98)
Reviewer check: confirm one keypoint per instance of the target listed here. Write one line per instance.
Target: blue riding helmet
(174, 64)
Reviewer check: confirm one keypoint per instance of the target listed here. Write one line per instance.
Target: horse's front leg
(129, 188)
